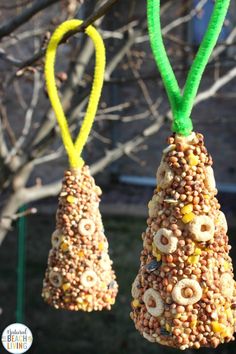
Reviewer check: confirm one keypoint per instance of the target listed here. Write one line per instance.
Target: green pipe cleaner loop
(182, 104)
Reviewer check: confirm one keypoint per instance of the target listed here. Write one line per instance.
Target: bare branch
(6, 125)
(221, 48)
(104, 9)
(20, 214)
(120, 55)
(3, 145)
(144, 90)
(28, 118)
(17, 5)
(9, 58)
(50, 157)
(26, 15)
(224, 80)
(179, 21)
(22, 36)
(90, 20)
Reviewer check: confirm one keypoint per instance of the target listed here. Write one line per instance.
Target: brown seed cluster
(79, 275)
(184, 295)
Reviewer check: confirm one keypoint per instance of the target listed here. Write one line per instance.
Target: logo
(17, 338)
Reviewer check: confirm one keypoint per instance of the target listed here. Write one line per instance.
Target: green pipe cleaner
(182, 103)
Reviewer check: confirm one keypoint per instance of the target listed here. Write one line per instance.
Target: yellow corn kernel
(168, 327)
(226, 333)
(229, 313)
(136, 303)
(71, 199)
(81, 254)
(178, 315)
(193, 160)
(206, 196)
(101, 246)
(66, 286)
(193, 324)
(188, 218)
(156, 252)
(197, 251)
(64, 246)
(188, 208)
(112, 301)
(89, 298)
(79, 300)
(217, 327)
(158, 257)
(84, 306)
(158, 188)
(193, 259)
(227, 266)
(67, 299)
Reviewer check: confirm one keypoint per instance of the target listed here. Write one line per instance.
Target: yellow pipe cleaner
(74, 150)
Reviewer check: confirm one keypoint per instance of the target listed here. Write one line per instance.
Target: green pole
(21, 269)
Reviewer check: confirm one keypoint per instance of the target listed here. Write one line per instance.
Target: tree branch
(26, 15)
(28, 118)
(89, 21)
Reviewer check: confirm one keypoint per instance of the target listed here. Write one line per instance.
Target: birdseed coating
(79, 275)
(184, 295)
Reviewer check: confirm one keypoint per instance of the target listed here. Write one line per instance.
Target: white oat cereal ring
(164, 175)
(153, 302)
(56, 238)
(202, 228)
(209, 181)
(55, 278)
(165, 241)
(135, 290)
(227, 284)
(187, 292)
(221, 221)
(86, 227)
(88, 278)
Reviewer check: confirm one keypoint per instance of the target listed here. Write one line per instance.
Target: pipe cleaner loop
(182, 104)
(74, 150)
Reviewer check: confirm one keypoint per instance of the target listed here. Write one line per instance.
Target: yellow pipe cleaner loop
(74, 150)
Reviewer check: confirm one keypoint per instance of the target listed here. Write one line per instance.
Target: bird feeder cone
(184, 294)
(79, 274)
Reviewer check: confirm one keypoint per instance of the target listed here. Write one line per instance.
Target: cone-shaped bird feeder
(79, 274)
(184, 294)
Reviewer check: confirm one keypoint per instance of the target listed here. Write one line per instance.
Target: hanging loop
(74, 150)
(182, 104)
